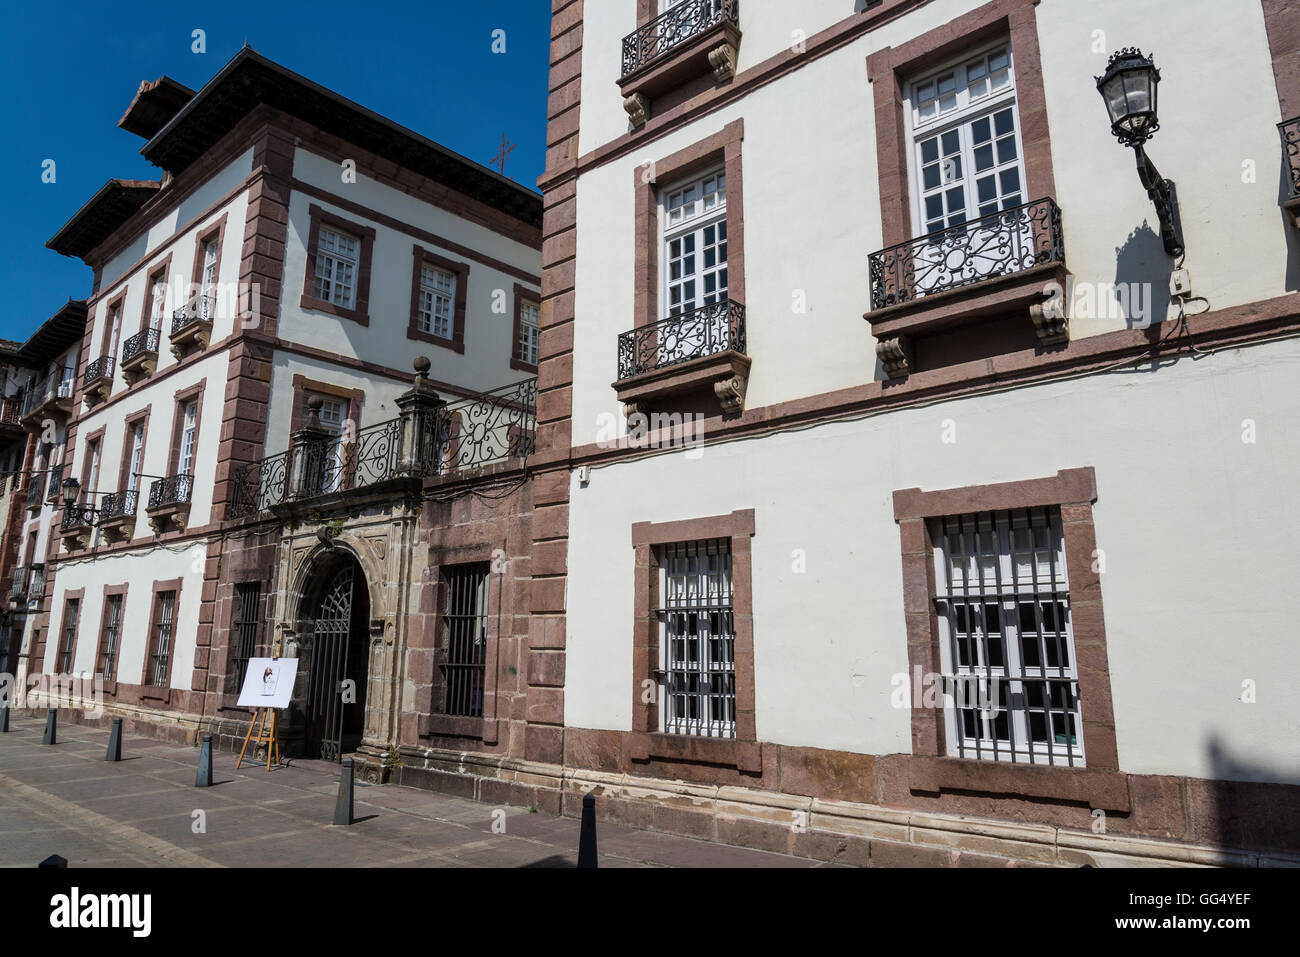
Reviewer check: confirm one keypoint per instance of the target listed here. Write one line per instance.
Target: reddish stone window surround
(436, 724)
(217, 231)
(129, 423)
(355, 398)
(111, 337)
(180, 399)
(646, 742)
(88, 493)
(461, 272)
(163, 692)
(523, 294)
(723, 147)
(360, 312)
(72, 594)
(161, 269)
(1074, 490)
(890, 69)
(110, 681)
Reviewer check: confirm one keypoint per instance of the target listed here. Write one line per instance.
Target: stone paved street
(68, 800)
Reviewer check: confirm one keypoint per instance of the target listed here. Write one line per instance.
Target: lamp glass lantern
(71, 489)
(1129, 87)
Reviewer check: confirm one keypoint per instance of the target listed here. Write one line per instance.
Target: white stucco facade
(1191, 459)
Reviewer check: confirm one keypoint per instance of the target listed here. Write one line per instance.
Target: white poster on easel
(268, 683)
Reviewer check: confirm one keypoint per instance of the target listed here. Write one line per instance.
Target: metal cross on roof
(500, 159)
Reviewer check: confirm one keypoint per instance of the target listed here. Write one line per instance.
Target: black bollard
(53, 861)
(51, 726)
(204, 778)
(587, 838)
(4, 718)
(115, 742)
(343, 806)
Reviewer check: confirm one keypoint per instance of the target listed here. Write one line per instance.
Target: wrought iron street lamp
(1129, 88)
(71, 489)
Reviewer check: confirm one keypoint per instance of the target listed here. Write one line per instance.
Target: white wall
(812, 201)
(139, 570)
(1196, 527)
(489, 342)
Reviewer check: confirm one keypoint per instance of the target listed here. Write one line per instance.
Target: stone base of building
(837, 831)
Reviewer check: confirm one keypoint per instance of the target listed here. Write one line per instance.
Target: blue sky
(69, 71)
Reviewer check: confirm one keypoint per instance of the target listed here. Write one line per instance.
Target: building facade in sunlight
(858, 449)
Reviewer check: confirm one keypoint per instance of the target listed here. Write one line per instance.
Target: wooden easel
(267, 721)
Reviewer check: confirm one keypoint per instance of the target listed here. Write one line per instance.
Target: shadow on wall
(860, 5)
(1142, 271)
(1291, 279)
(1245, 813)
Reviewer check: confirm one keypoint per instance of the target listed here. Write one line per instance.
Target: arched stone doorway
(338, 607)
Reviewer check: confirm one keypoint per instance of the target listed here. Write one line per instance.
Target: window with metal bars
(112, 632)
(161, 645)
(243, 630)
(697, 639)
(70, 608)
(464, 638)
(1003, 606)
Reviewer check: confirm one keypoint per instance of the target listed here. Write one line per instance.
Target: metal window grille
(69, 635)
(112, 631)
(162, 643)
(244, 627)
(1010, 675)
(464, 620)
(697, 639)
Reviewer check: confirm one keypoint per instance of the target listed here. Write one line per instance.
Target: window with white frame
(137, 456)
(337, 256)
(966, 157)
(189, 428)
(158, 299)
(695, 244)
(1011, 690)
(530, 330)
(435, 312)
(697, 639)
(209, 274)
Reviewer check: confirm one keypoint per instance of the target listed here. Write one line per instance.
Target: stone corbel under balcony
(172, 515)
(139, 356)
(899, 326)
(727, 373)
(75, 532)
(193, 331)
(97, 383)
(117, 519)
(711, 51)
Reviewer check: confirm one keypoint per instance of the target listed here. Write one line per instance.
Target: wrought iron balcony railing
(36, 589)
(986, 248)
(173, 490)
(11, 410)
(144, 342)
(47, 390)
(118, 505)
(22, 575)
(76, 516)
(198, 309)
(35, 490)
(674, 27)
(485, 430)
(1290, 132)
(97, 369)
(54, 484)
(706, 331)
